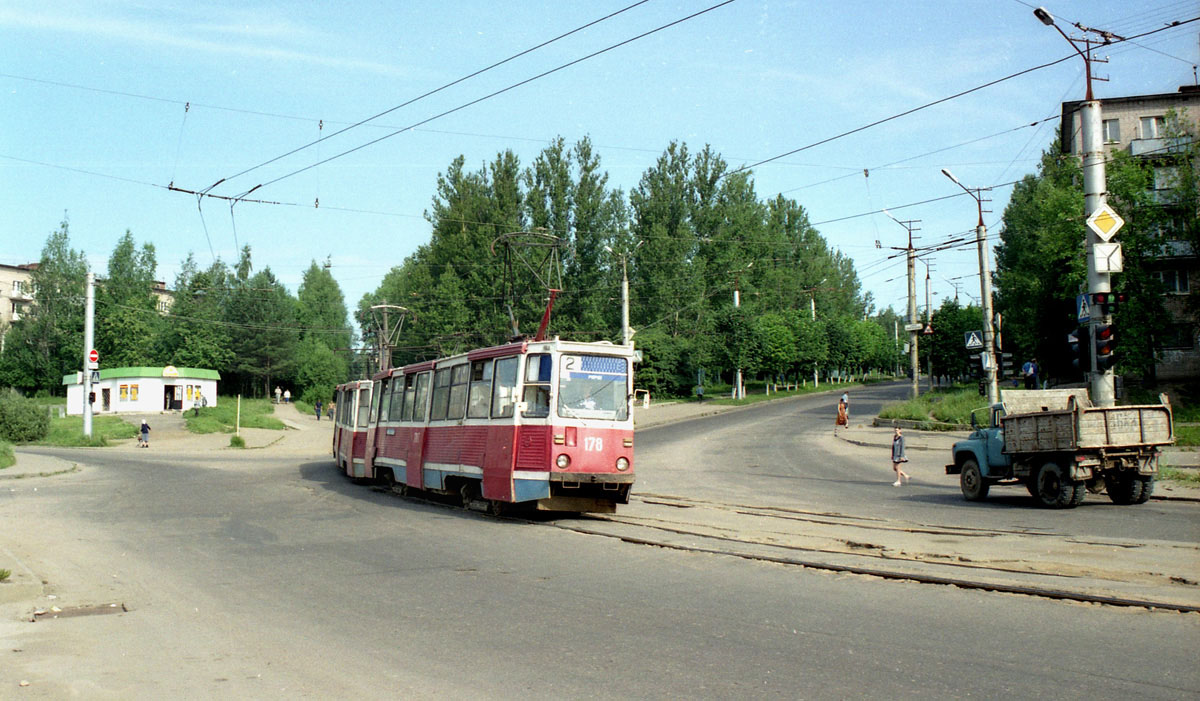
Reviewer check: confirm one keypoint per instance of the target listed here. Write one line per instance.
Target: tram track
(857, 555)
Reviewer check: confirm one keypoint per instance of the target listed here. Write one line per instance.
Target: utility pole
(89, 332)
(812, 306)
(387, 341)
(1094, 186)
(913, 327)
(928, 323)
(739, 392)
(985, 294)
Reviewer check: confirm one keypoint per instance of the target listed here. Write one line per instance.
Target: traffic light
(91, 397)
(1081, 344)
(1107, 303)
(1106, 344)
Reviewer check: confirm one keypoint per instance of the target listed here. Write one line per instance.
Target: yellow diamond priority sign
(1105, 222)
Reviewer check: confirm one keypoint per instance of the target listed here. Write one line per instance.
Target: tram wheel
(469, 491)
(496, 507)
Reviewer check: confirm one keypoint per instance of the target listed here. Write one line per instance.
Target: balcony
(1148, 148)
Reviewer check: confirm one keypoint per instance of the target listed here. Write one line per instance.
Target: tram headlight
(622, 464)
(563, 461)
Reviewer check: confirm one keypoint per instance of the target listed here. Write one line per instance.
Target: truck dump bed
(1062, 420)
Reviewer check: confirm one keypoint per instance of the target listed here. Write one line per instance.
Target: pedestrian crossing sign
(1084, 312)
(974, 340)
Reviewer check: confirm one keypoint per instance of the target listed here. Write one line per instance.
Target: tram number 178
(593, 443)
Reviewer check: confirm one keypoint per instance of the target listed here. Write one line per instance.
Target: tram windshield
(593, 387)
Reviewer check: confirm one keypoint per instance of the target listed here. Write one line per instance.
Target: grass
(236, 441)
(756, 392)
(67, 432)
(1190, 477)
(1187, 435)
(950, 406)
(4, 575)
(7, 459)
(256, 413)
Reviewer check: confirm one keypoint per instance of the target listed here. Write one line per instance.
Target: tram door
(378, 407)
(414, 474)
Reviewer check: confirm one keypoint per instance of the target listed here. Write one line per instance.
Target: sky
(104, 104)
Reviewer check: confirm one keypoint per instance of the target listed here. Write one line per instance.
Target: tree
(127, 320)
(196, 333)
(264, 332)
(48, 344)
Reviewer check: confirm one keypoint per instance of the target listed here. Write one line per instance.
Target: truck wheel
(1147, 490)
(974, 487)
(1054, 489)
(1123, 488)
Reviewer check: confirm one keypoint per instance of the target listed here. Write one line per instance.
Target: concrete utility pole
(1094, 197)
(626, 330)
(913, 327)
(89, 326)
(739, 392)
(985, 294)
(928, 323)
(812, 306)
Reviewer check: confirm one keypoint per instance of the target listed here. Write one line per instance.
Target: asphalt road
(273, 577)
(783, 453)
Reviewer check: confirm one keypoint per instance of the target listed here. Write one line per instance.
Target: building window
(1112, 131)
(1154, 127)
(1173, 280)
(163, 306)
(18, 287)
(1178, 337)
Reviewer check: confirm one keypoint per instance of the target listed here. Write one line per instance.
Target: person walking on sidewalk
(898, 457)
(317, 407)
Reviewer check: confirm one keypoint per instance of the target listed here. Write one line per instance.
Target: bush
(22, 420)
(236, 441)
(7, 459)
(312, 394)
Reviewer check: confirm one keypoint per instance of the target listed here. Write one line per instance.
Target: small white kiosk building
(141, 390)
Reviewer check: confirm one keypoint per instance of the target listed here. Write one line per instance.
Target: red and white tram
(353, 403)
(547, 424)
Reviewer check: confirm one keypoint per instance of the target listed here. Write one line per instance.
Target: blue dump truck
(1061, 447)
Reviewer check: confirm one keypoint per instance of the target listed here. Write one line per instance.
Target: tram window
(441, 394)
(410, 388)
(384, 388)
(537, 385)
(422, 397)
(504, 392)
(481, 389)
(458, 391)
(364, 405)
(593, 387)
(397, 399)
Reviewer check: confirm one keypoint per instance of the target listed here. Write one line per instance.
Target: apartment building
(1137, 126)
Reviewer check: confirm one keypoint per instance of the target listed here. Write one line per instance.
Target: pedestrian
(1030, 371)
(898, 457)
(317, 406)
(842, 419)
(846, 401)
(144, 440)
(287, 396)
(329, 410)
(196, 405)
(278, 394)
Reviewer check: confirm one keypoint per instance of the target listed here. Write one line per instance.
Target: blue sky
(92, 118)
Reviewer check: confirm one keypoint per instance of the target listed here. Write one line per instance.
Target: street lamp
(985, 293)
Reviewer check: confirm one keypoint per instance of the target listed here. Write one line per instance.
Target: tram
(353, 402)
(546, 424)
